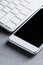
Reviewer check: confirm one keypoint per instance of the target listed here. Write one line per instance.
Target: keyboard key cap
(4, 3)
(15, 20)
(29, 1)
(9, 1)
(1, 7)
(26, 12)
(7, 17)
(1, 14)
(6, 9)
(15, 11)
(34, 4)
(10, 24)
(11, 5)
(26, 5)
(20, 7)
(21, 16)
(16, 2)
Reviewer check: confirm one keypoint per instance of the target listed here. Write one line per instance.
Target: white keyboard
(14, 12)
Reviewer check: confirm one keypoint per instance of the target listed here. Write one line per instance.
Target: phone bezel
(23, 44)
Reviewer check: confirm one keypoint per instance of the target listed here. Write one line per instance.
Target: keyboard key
(26, 5)
(34, 4)
(15, 11)
(16, 2)
(1, 7)
(20, 7)
(9, 1)
(29, 1)
(26, 12)
(11, 5)
(1, 14)
(10, 24)
(7, 17)
(6, 9)
(4, 3)
(21, 16)
(15, 20)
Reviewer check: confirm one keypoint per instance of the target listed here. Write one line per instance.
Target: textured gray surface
(12, 55)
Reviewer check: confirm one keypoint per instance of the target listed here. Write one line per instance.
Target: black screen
(32, 31)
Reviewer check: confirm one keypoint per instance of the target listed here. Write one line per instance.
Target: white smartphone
(30, 35)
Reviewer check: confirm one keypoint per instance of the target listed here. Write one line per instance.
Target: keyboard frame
(23, 22)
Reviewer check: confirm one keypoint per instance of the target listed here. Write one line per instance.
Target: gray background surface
(12, 55)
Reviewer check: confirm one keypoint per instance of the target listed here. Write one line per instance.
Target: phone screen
(32, 31)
